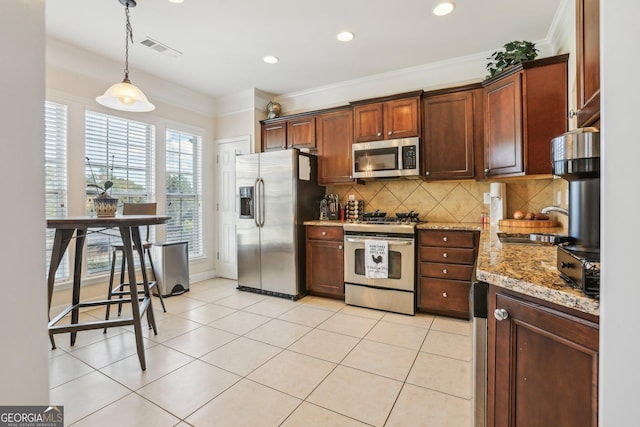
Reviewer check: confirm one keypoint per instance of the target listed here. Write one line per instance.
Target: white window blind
(183, 188)
(55, 166)
(119, 150)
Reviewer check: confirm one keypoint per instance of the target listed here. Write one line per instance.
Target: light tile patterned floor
(223, 357)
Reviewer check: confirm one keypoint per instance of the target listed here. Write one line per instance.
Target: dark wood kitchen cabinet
(542, 363)
(588, 62)
(334, 134)
(452, 142)
(325, 261)
(295, 131)
(392, 117)
(524, 108)
(446, 260)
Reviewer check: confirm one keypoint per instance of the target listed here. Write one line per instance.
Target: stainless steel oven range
(394, 290)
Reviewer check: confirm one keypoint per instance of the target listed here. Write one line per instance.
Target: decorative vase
(105, 206)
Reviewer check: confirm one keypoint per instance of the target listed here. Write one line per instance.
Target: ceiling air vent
(159, 47)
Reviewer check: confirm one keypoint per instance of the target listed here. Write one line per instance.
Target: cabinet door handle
(427, 173)
(574, 113)
(445, 239)
(390, 133)
(445, 255)
(324, 233)
(340, 247)
(486, 172)
(379, 134)
(444, 295)
(444, 271)
(500, 314)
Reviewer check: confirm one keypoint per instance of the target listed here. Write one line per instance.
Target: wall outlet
(487, 198)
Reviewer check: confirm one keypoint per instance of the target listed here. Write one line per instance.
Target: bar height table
(128, 225)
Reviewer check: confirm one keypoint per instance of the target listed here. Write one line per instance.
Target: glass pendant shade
(125, 97)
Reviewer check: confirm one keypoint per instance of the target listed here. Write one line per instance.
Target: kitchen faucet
(554, 209)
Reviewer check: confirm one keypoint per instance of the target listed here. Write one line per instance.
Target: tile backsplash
(453, 201)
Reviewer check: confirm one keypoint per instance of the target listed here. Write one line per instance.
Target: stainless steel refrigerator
(276, 192)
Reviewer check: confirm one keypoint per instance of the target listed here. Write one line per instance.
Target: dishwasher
(478, 300)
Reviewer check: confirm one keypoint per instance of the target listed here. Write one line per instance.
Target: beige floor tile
(130, 411)
(309, 415)
(406, 336)
(246, 404)
(241, 356)
(357, 394)
(325, 345)
(201, 341)
(448, 344)
(292, 373)
(420, 320)
(160, 361)
(207, 313)
(214, 294)
(442, 374)
(354, 326)
(323, 303)
(455, 326)
(85, 395)
(240, 300)
(240, 322)
(362, 312)
(113, 349)
(303, 314)
(381, 359)
(279, 333)
(65, 368)
(186, 389)
(419, 407)
(272, 307)
(179, 304)
(170, 328)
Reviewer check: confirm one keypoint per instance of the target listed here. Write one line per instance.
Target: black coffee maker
(575, 156)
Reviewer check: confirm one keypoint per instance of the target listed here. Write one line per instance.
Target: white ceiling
(223, 41)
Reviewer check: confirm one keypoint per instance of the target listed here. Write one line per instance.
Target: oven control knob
(444, 295)
(500, 314)
(445, 255)
(444, 271)
(445, 239)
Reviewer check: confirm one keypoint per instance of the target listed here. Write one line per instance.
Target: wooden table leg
(77, 275)
(60, 243)
(125, 233)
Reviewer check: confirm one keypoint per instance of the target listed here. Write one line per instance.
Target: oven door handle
(392, 242)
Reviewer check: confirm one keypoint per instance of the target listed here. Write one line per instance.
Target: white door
(227, 265)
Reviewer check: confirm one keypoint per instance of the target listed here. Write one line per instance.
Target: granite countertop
(528, 269)
(325, 223)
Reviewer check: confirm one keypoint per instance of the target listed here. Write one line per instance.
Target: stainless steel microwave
(387, 158)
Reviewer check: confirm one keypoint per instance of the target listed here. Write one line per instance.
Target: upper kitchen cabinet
(588, 62)
(524, 108)
(334, 135)
(390, 117)
(452, 142)
(296, 131)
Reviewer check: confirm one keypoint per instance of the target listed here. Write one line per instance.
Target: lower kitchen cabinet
(325, 261)
(542, 363)
(445, 269)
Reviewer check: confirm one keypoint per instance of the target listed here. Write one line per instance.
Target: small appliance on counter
(576, 157)
(498, 206)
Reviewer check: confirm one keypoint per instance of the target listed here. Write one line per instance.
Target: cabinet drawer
(446, 271)
(447, 255)
(459, 239)
(445, 296)
(324, 233)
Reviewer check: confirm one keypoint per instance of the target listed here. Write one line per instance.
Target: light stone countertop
(326, 223)
(528, 269)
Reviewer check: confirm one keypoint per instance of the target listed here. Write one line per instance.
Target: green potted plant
(103, 204)
(513, 53)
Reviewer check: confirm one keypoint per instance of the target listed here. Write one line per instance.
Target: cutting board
(528, 223)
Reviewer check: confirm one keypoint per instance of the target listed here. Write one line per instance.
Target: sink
(534, 238)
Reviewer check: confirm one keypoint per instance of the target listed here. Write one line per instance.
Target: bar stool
(120, 289)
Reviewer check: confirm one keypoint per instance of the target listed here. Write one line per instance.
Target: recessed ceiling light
(345, 36)
(444, 8)
(176, 1)
(270, 59)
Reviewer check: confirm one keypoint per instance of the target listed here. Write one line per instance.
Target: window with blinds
(121, 151)
(55, 166)
(184, 194)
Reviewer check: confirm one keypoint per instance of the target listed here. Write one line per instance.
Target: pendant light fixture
(126, 96)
